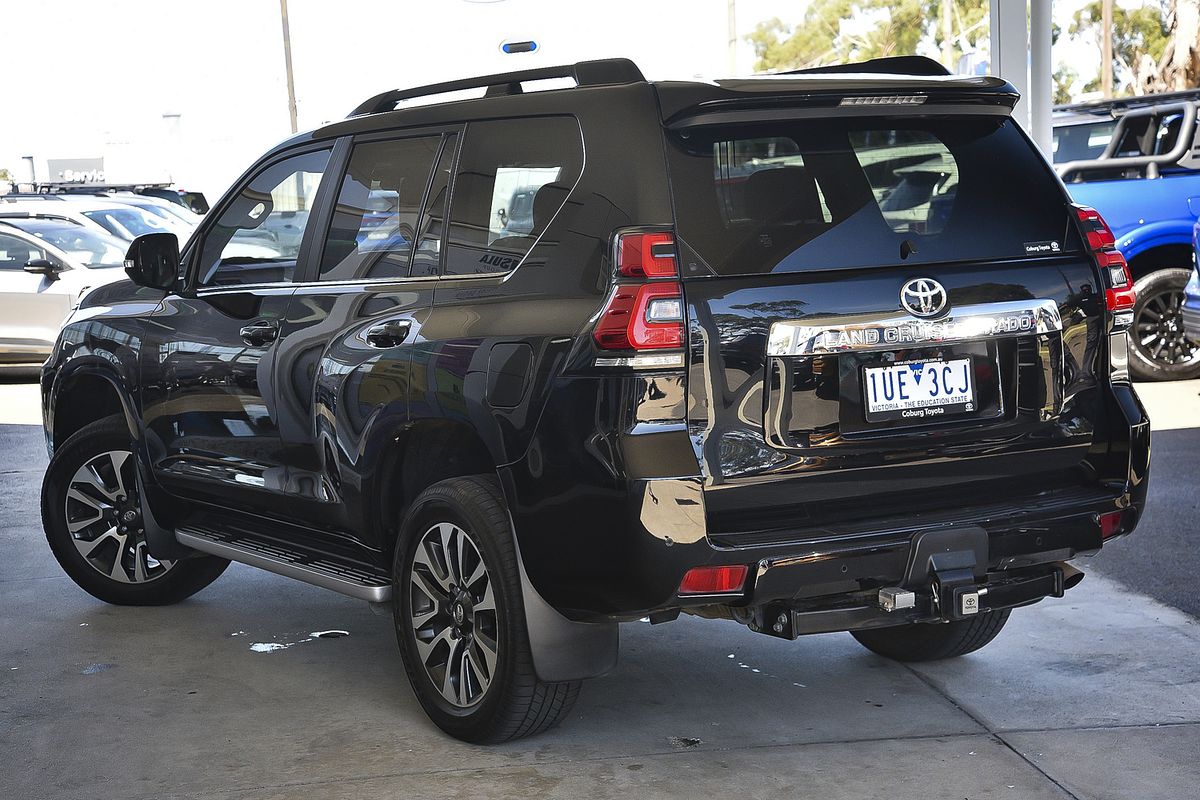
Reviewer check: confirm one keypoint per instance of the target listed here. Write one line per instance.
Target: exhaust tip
(1071, 576)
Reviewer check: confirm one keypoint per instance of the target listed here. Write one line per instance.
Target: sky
(88, 78)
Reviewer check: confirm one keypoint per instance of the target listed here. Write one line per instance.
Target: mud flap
(562, 649)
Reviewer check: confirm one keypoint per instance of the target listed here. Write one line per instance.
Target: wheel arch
(432, 450)
(1158, 245)
(421, 454)
(82, 394)
(1163, 256)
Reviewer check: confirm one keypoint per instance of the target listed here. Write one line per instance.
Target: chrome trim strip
(647, 361)
(865, 333)
(372, 593)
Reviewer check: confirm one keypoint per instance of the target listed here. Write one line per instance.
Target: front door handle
(257, 334)
(388, 334)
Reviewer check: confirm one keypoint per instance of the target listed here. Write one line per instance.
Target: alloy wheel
(452, 611)
(1158, 330)
(104, 517)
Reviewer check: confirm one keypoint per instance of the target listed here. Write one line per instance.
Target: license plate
(919, 390)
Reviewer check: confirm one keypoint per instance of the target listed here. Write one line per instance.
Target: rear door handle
(256, 334)
(388, 334)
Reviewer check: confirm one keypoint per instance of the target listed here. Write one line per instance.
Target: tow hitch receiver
(898, 606)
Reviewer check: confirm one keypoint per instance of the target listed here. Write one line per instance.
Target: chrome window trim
(293, 285)
(869, 332)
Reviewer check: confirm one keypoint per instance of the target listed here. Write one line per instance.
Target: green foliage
(1135, 32)
(833, 31)
(5, 175)
(1064, 78)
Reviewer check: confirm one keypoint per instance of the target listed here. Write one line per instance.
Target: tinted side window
(374, 223)
(257, 238)
(512, 178)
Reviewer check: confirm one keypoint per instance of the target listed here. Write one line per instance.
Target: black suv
(817, 352)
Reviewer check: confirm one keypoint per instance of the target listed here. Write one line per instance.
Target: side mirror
(42, 266)
(153, 260)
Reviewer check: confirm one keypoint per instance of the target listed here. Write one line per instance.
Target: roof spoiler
(604, 72)
(892, 65)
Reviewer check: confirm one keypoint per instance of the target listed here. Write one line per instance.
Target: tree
(968, 21)
(5, 175)
(1139, 39)
(1179, 64)
(1064, 79)
(850, 30)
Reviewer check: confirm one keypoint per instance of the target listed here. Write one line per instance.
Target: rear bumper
(599, 547)
(639, 567)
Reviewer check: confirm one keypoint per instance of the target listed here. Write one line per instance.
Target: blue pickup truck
(1136, 162)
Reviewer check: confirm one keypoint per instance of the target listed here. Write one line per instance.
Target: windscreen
(793, 196)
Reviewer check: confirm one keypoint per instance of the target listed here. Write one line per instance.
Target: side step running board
(345, 577)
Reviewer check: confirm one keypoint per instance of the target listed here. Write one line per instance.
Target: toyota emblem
(923, 297)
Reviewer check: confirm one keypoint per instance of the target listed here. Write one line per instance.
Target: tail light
(646, 313)
(1119, 294)
(714, 580)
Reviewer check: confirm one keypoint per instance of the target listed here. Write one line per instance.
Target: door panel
(32, 307)
(345, 348)
(212, 417)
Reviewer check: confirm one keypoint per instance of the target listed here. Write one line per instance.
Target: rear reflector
(646, 255)
(1110, 524)
(714, 580)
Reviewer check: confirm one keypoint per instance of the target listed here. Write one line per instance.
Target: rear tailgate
(819, 395)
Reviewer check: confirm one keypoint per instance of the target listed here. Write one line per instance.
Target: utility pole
(287, 58)
(1106, 53)
(948, 35)
(732, 23)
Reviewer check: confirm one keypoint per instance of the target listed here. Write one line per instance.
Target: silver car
(46, 266)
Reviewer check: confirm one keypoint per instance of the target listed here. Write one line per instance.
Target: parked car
(194, 202)
(1135, 161)
(46, 266)
(117, 219)
(697, 384)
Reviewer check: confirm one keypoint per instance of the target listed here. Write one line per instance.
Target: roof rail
(606, 71)
(892, 65)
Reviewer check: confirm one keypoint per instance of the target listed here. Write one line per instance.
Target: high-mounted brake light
(646, 255)
(1119, 294)
(714, 580)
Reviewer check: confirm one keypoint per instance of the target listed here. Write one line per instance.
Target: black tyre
(92, 516)
(933, 641)
(1159, 350)
(460, 620)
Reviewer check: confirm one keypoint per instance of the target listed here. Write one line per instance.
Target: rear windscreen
(794, 196)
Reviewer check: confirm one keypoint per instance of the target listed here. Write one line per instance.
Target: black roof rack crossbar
(892, 65)
(606, 71)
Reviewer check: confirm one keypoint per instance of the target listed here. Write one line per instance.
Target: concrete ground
(1096, 695)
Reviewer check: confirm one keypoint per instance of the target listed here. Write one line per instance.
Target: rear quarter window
(512, 178)
(836, 194)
